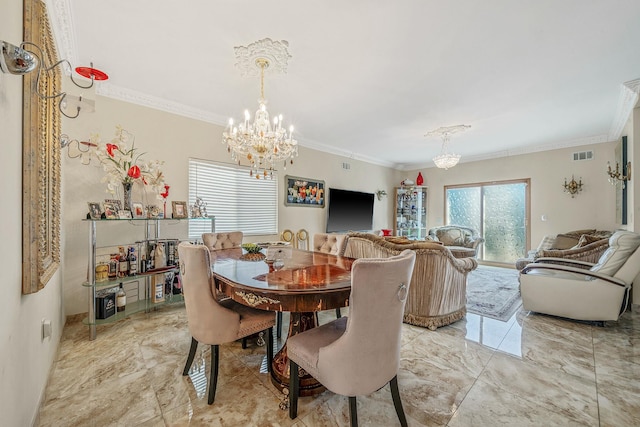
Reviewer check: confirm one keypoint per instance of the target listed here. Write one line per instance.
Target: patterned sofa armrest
(589, 253)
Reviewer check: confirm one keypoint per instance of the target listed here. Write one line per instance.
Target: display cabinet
(144, 280)
(411, 212)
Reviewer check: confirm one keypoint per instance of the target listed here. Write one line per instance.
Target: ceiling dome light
(446, 160)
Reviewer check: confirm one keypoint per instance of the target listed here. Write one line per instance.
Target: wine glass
(278, 263)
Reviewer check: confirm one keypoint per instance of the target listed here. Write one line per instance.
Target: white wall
(25, 359)
(174, 139)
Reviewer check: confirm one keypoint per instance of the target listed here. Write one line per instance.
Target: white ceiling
(368, 79)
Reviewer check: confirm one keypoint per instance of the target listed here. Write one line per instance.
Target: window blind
(238, 201)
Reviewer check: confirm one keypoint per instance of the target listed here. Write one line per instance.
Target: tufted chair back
(329, 243)
(231, 239)
(359, 354)
(209, 322)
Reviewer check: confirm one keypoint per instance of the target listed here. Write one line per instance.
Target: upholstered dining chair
(359, 354)
(289, 237)
(231, 239)
(330, 243)
(302, 239)
(213, 321)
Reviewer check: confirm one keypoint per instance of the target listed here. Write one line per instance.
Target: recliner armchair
(599, 293)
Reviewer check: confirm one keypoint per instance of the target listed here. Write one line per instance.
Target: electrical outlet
(46, 328)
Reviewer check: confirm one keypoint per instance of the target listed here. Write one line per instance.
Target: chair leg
(338, 313)
(293, 389)
(353, 411)
(395, 394)
(244, 343)
(192, 354)
(269, 349)
(213, 377)
(279, 324)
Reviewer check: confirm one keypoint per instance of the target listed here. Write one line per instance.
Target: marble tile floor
(533, 370)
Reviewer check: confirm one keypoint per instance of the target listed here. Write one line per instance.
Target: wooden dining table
(308, 283)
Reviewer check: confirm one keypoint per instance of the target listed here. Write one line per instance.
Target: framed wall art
(304, 192)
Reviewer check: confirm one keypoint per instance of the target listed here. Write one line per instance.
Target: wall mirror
(41, 158)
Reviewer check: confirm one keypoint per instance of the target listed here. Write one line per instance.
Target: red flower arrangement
(125, 166)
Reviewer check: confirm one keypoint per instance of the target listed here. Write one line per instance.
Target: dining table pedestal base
(309, 386)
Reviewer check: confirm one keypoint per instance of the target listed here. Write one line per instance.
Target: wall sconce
(85, 150)
(381, 194)
(617, 176)
(572, 187)
(17, 60)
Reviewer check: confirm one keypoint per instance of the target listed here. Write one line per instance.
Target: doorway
(499, 210)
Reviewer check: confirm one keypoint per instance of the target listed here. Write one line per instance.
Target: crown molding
(139, 98)
(626, 103)
(345, 153)
(127, 95)
(61, 20)
(596, 139)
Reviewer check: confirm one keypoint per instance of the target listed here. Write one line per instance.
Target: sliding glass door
(498, 210)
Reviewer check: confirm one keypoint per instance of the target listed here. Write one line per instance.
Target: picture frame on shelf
(124, 214)
(138, 210)
(304, 192)
(153, 211)
(116, 203)
(95, 211)
(110, 210)
(179, 210)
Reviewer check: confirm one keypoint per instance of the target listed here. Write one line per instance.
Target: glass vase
(126, 199)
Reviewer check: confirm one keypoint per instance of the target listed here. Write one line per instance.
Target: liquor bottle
(123, 263)
(170, 253)
(143, 264)
(133, 261)
(121, 299)
(113, 267)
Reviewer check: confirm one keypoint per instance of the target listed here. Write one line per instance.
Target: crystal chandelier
(260, 142)
(445, 159)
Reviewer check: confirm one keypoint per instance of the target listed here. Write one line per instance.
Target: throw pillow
(565, 241)
(397, 240)
(578, 233)
(586, 239)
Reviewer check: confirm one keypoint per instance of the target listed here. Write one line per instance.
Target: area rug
(493, 292)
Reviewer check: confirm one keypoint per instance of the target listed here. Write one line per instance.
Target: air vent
(583, 155)
(346, 166)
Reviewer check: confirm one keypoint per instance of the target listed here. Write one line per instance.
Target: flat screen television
(349, 211)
